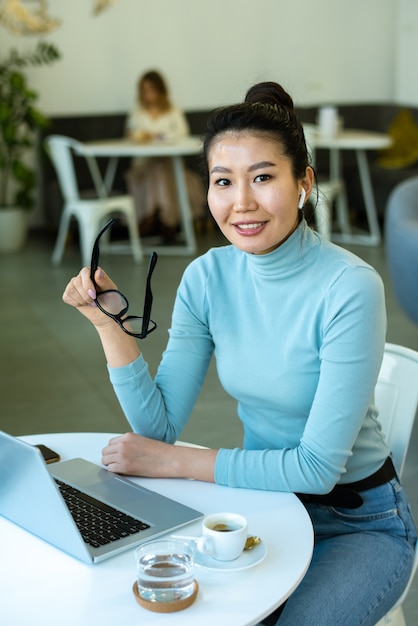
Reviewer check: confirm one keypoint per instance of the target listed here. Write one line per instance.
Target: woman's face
(253, 194)
(150, 95)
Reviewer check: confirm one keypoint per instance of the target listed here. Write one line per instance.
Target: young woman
(297, 327)
(151, 181)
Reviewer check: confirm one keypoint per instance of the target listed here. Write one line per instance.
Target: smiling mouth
(251, 226)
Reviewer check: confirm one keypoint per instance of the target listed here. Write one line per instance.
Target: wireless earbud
(302, 198)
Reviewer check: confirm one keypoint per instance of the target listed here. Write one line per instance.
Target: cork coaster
(166, 607)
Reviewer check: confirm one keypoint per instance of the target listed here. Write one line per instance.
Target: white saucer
(246, 560)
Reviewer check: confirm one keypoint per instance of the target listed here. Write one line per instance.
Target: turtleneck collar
(289, 257)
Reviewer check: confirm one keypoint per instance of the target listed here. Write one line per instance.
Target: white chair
(90, 212)
(397, 399)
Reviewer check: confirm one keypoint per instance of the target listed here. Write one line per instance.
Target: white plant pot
(13, 229)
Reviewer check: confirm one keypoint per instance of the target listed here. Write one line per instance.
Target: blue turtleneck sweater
(298, 336)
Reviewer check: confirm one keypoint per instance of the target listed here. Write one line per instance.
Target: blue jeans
(361, 563)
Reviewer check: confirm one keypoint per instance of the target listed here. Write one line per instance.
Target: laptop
(38, 498)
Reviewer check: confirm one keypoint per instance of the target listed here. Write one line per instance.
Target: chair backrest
(59, 149)
(396, 397)
(62, 150)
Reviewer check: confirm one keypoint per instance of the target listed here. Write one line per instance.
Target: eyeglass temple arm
(95, 252)
(148, 292)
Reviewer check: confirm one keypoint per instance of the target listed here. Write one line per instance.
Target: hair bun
(269, 93)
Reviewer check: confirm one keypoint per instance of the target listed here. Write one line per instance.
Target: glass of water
(165, 571)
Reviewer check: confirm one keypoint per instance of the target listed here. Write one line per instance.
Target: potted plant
(19, 122)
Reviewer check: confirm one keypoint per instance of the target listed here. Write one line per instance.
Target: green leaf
(4, 111)
(36, 118)
(17, 81)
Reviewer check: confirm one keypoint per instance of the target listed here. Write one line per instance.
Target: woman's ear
(306, 186)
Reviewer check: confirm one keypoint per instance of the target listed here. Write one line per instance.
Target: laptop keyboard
(98, 523)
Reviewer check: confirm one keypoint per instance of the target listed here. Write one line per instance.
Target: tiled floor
(52, 370)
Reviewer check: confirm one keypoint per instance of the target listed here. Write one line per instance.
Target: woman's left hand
(139, 456)
(136, 455)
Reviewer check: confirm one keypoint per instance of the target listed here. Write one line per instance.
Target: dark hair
(155, 78)
(268, 109)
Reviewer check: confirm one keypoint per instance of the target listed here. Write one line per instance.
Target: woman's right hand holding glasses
(97, 297)
(81, 293)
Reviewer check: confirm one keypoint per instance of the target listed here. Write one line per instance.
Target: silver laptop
(58, 503)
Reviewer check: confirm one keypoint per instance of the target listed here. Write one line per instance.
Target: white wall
(212, 50)
(406, 75)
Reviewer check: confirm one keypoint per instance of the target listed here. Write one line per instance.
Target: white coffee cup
(223, 536)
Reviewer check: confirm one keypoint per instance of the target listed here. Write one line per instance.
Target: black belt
(348, 495)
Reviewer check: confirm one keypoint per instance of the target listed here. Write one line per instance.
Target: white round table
(359, 141)
(113, 149)
(41, 585)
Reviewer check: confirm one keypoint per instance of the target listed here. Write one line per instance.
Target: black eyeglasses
(115, 305)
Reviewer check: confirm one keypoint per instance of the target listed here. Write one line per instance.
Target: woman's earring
(302, 198)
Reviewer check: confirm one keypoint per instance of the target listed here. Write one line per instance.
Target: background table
(359, 141)
(116, 148)
(41, 585)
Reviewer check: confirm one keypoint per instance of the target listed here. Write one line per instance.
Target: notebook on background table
(33, 496)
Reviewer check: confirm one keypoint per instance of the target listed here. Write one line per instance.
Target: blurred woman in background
(151, 180)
